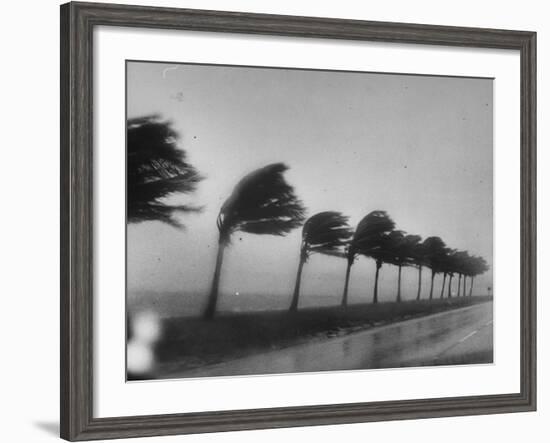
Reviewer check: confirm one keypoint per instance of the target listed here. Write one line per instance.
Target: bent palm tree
(261, 203)
(434, 251)
(402, 248)
(156, 168)
(323, 233)
(418, 257)
(478, 266)
(461, 263)
(451, 268)
(443, 284)
(445, 266)
(367, 239)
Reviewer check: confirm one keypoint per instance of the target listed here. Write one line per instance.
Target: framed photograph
(272, 221)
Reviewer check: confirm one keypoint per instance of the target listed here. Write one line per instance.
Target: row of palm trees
(264, 203)
(376, 237)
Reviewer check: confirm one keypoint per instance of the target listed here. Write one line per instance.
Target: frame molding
(77, 24)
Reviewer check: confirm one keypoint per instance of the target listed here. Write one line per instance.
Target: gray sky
(418, 147)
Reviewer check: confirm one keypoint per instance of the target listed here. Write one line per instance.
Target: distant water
(191, 304)
(181, 304)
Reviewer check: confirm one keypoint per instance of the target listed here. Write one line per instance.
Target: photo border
(77, 24)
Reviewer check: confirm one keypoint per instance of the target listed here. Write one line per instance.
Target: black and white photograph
(283, 220)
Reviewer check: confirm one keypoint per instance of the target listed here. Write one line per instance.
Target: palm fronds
(326, 233)
(156, 169)
(261, 203)
(434, 253)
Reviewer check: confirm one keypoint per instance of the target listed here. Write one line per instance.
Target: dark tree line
(264, 203)
(376, 237)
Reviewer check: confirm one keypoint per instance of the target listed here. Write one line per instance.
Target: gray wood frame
(77, 24)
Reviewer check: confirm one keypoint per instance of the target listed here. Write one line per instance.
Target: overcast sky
(419, 147)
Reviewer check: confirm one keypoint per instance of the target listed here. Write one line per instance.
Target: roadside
(453, 337)
(190, 343)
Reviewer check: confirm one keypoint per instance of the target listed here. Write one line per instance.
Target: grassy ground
(193, 342)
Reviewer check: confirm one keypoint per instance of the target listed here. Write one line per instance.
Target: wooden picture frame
(77, 24)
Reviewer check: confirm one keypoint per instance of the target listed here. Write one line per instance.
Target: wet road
(461, 336)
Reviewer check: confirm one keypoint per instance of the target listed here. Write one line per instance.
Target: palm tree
(451, 267)
(478, 266)
(450, 272)
(323, 233)
(446, 267)
(400, 252)
(415, 252)
(434, 250)
(367, 240)
(451, 275)
(156, 168)
(443, 285)
(461, 262)
(261, 203)
(419, 260)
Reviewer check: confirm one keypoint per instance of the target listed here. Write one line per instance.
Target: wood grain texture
(77, 24)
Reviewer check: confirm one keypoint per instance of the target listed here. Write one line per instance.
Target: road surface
(460, 336)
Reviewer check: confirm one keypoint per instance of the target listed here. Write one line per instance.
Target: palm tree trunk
(459, 279)
(399, 285)
(419, 282)
(471, 285)
(296, 296)
(346, 285)
(213, 298)
(432, 286)
(375, 296)
(450, 281)
(443, 285)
